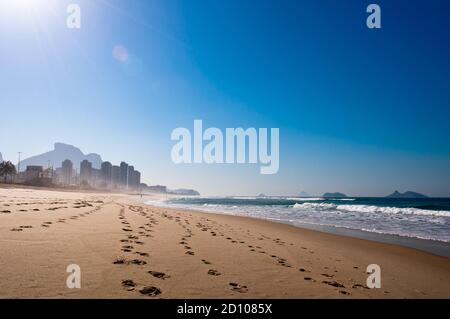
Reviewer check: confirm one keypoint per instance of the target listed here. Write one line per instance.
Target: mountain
(185, 192)
(261, 195)
(333, 195)
(408, 194)
(60, 153)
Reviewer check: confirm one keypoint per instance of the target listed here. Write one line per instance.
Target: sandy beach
(127, 249)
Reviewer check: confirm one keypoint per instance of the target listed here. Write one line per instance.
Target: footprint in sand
(189, 253)
(213, 272)
(238, 288)
(129, 284)
(158, 274)
(120, 261)
(150, 291)
(138, 262)
(334, 284)
(283, 262)
(142, 254)
(16, 229)
(206, 262)
(303, 270)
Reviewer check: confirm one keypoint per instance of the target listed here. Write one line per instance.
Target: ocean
(420, 223)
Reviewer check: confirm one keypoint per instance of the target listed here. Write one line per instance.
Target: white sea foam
(372, 209)
(311, 206)
(305, 199)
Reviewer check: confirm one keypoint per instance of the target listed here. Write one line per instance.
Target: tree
(7, 169)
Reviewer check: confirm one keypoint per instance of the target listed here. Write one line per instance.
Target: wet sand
(126, 249)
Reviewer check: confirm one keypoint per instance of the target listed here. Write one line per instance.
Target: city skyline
(360, 111)
(108, 176)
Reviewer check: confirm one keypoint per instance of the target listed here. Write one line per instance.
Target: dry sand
(191, 254)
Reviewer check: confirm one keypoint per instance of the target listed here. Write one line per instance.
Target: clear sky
(360, 111)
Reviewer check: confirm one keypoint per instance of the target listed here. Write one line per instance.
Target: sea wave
(372, 209)
(305, 199)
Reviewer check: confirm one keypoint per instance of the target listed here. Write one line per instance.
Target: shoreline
(339, 233)
(124, 246)
(432, 246)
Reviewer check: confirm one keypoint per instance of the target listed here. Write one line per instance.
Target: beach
(128, 249)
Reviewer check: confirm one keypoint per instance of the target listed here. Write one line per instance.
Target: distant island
(408, 194)
(334, 195)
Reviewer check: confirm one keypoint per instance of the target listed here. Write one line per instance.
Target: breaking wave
(372, 209)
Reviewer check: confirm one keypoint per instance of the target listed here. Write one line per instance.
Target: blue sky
(360, 111)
